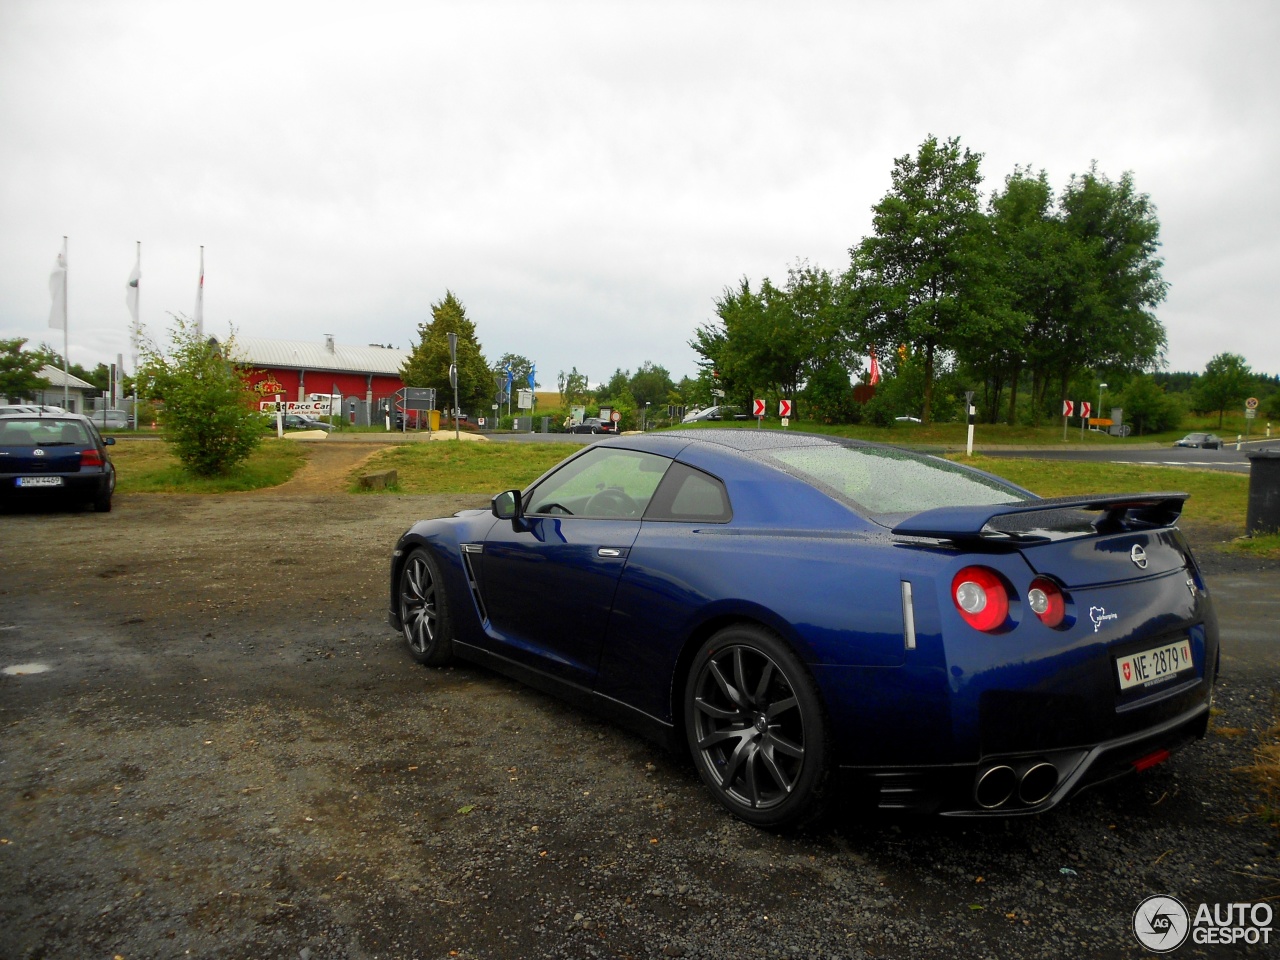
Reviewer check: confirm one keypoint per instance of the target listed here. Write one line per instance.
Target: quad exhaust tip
(995, 787)
(1037, 783)
(998, 785)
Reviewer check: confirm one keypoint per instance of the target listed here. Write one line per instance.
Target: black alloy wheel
(424, 610)
(756, 729)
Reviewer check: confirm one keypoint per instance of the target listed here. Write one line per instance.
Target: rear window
(41, 431)
(878, 480)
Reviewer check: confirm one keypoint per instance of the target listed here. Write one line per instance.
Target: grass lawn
(1217, 499)
(149, 466)
(1048, 434)
(466, 467)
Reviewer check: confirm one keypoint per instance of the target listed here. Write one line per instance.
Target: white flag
(200, 298)
(131, 291)
(58, 288)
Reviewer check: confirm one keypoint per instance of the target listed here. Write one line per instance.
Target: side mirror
(507, 506)
(108, 441)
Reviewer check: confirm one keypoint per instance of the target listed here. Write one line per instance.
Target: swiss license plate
(39, 481)
(1154, 666)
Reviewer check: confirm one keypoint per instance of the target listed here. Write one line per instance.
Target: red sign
(757, 408)
(1067, 407)
(784, 408)
(1085, 408)
(615, 416)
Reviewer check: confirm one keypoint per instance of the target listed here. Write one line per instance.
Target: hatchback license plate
(1154, 666)
(39, 481)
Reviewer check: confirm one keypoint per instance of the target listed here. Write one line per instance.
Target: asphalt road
(1228, 458)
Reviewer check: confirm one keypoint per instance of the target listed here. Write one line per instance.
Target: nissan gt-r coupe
(805, 613)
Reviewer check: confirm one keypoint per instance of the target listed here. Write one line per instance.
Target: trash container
(1263, 515)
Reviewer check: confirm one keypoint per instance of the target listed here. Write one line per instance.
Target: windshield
(883, 480)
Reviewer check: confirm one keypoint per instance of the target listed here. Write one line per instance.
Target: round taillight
(980, 596)
(1046, 601)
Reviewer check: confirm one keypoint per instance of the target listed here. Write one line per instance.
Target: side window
(601, 483)
(690, 495)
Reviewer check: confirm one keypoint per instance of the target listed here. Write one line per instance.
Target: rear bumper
(1017, 784)
(81, 487)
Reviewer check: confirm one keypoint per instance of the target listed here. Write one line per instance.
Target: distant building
(77, 392)
(296, 369)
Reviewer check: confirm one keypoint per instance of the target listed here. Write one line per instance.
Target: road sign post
(969, 410)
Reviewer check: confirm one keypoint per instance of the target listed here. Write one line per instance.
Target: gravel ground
(230, 755)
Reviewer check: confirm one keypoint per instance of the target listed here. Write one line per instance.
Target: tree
(20, 370)
(519, 366)
(771, 340)
(1148, 408)
(210, 418)
(573, 387)
(923, 278)
(428, 364)
(652, 384)
(1031, 255)
(1226, 383)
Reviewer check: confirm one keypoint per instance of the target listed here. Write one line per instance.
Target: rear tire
(102, 504)
(756, 728)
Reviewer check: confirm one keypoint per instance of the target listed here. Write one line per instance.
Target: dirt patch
(230, 755)
(329, 468)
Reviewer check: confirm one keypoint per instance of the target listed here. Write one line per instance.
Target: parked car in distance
(112, 420)
(1207, 441)
(721, 412)
(298, 421)
(55, 458)
(796, 612)
(593, 425)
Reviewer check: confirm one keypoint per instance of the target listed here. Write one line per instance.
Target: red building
(296, 369)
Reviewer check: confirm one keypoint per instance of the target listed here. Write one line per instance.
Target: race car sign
(310, 408)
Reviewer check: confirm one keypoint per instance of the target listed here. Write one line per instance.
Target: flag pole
(200, 299)
(66, 338)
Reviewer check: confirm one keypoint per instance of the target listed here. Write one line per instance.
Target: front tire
(756, 728)
(424, 610)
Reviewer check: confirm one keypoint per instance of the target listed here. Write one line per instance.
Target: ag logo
(1161, 924)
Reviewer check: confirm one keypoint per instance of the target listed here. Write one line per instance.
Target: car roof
(44, 416)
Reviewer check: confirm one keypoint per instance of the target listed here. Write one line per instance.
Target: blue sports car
(808, 615)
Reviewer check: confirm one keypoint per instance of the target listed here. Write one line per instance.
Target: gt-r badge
(1099, 616)
(1138, 556)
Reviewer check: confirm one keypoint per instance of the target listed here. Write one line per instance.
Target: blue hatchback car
(806, 615)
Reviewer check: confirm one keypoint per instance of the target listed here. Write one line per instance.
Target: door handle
(608, 552)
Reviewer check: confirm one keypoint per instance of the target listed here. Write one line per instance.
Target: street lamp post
(1098, 414)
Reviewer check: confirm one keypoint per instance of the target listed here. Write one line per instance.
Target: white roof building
(272, 353)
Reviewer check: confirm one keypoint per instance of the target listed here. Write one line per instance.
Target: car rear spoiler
(1120, 512)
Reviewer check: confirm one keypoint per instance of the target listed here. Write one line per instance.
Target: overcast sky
(588, 177)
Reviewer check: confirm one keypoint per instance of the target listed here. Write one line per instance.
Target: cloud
(588, 177)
